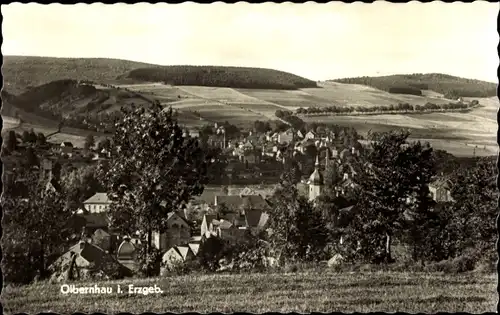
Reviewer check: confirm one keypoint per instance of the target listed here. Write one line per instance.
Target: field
(323, 291)
(331, 93)
(458, 133)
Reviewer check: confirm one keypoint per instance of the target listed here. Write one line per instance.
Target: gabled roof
(252, 217)
(224, 224)
(92, 254)
(441, 183)
(98, 198)
(194, 248)
(183, 251)
(173, 214)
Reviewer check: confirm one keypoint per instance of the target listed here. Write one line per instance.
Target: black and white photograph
(223, 158)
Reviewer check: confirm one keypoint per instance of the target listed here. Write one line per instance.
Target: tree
(89, 142)
(32, 136)
(153, 169)
(298, 232)
(11, 141)
(474, 208)
(35, 226)
(104, 144)
(40, 139)
(393, 181)
(26, 136)
(30, 158)
(81, 184)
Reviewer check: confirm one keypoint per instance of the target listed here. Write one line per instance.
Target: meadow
(309, 291)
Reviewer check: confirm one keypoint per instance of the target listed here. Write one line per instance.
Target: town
(250, 158)
(317, 163)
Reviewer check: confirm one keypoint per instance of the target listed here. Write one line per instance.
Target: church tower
(315, 182)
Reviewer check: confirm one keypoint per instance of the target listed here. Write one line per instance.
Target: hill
(450, 86)
(20, 73)
(71, 100)
(218, 76)
(24, 72)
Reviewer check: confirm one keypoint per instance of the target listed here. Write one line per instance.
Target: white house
(97, 203)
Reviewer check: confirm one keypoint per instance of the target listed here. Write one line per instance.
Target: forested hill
(21, 73)
(218, 76)
(450, 86)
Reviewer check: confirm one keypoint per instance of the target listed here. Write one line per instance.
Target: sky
(317, 41)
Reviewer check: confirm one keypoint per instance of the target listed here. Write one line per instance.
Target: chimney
(353, 150)
(346, 176)
(82, 244)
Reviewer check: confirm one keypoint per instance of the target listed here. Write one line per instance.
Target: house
(66, 147)
(177, 255)
(440, 190)
(311, 135)
(178, 233)
(286, 136)
(98, 203)
(84, 258)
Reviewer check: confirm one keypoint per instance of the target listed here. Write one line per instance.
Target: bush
(149, 263)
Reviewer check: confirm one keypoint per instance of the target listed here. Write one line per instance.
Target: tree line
(218, 76)
(406, 107)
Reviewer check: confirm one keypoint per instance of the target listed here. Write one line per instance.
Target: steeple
(316, 165)
(316, 177)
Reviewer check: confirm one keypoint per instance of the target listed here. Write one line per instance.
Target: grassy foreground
(324, 291)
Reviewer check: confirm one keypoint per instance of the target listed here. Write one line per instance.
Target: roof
(235, 202)
(173, 213)
(95, 220)
(252, 217)
(224, 224)
(316, 178)
(101, 232)
(183, 251)
(194, 248)
(92, 254)
(264, 218)
(98, 198)
(209, 218)
(441, 183)
(53, 183)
